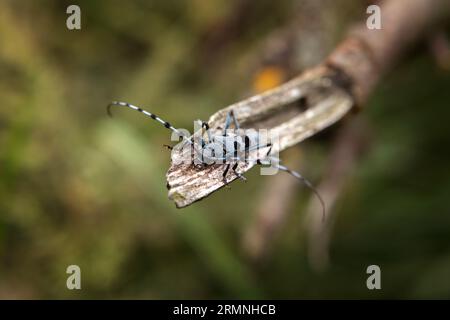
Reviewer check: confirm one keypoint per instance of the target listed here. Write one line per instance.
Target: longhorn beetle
(225, 148)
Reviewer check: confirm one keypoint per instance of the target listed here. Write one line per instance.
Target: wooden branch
(366, 55)
(272, 110)
(327, 92)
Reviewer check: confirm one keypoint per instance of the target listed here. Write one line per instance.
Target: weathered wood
(321, 92)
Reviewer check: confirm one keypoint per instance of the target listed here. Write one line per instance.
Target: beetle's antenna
(303, 179)
(148, 114)
(308, 184)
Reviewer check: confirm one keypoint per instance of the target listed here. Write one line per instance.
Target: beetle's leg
(205, 125)
(240, 176)
(230, 117)
(236, 123)
(224, 174)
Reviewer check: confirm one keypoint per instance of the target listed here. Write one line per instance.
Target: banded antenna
(148, 114)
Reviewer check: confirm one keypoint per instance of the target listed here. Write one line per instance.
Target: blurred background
(78, 187)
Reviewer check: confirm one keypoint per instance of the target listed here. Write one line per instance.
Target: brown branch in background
(350, 143)
(440, 50)
(271, 213)
(346, 78)
(368, 54)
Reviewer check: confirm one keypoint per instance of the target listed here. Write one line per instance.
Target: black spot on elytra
(247, 142)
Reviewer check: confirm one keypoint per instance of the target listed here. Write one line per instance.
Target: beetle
(227, 147)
